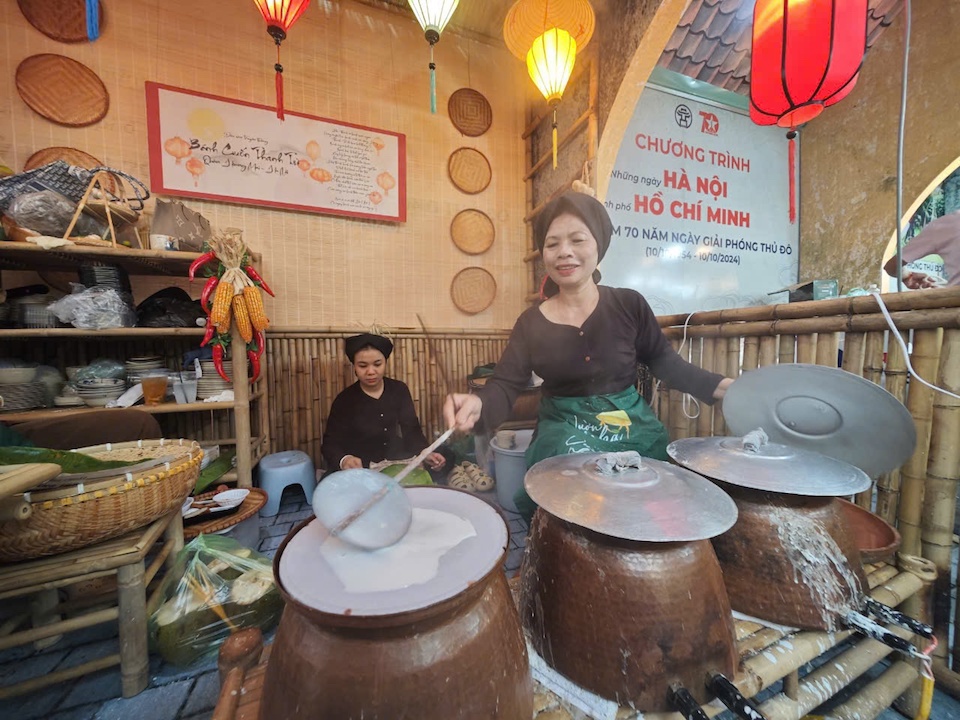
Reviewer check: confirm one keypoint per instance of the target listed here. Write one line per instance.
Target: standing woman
(373, 419)
(585, 341)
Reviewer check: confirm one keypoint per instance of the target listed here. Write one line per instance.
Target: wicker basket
(68, 518)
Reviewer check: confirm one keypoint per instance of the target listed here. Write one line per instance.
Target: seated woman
(373, 419)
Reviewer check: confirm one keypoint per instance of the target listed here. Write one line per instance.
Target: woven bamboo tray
(469, 170)
(62, 20)
(72, 517)
(473, 290)
(62, 90)
(250, 506)
(68, 154)
(472, 231)
(470, 112)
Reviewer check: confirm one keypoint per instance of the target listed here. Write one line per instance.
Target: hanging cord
(900, 126)
(688, 400)
(903, 346)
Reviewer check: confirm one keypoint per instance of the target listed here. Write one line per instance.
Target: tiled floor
(190, 693)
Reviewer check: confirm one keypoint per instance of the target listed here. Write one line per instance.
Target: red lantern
(280, 16)
(806, 56)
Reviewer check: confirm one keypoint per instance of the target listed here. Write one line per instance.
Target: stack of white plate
(22, 396)
(211, 383)
(99, 391)
(136, 366)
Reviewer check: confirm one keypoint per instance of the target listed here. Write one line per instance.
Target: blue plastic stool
(282, 469)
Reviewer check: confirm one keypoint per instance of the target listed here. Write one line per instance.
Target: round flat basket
(470, 112)
(70, 516)
(473, 290)
(62, 20)
(250, 506)
(72, 156)
(62, 90)
(472, 231)
(469, 170)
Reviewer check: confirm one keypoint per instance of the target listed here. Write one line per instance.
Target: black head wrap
(354, 344)
(585, 207)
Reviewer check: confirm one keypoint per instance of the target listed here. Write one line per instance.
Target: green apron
(599, 423)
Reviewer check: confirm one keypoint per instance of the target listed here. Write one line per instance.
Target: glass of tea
(154, 387)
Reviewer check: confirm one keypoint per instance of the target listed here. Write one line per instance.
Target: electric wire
(900, 126)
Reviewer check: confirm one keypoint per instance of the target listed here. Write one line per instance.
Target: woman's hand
(462, 411)
(721, 388)
(434, 461)
(350, 462)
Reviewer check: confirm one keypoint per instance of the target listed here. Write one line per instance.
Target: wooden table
(767, 656)
(123, 557)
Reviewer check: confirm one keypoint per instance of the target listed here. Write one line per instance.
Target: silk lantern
(280, 16)
(547, 35)
(433, 16)
(806, 56)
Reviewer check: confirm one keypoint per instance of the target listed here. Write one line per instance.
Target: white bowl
(231, 498)
(17, 375)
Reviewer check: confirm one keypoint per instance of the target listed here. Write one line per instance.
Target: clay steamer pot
(462, 656)
(621, 591)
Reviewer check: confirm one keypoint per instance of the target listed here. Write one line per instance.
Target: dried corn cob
(254, 300)
(242, 318)
(220, 314)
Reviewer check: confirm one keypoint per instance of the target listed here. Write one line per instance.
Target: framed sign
(699, 199)
(214, 148)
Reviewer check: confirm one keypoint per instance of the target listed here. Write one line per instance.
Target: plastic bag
(217, 586)
(95, 308)
(49, 213)
(170, 307)
(102, 368)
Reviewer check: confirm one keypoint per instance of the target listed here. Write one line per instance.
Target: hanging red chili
(218, 362)
(208, 335)
(207, 292)
(200, 262)
(254, 364)
(261, 342)
(255, 276)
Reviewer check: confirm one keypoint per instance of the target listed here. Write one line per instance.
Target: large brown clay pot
(624, 618)
(462, 657)
(790, 559)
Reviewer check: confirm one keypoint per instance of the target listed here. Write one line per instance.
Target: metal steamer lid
(655, 502)
(752, 462)
(826, 410)
(308, 576)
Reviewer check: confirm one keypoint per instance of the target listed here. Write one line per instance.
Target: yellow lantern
(433, 16)
(550, 62)
(547, 34)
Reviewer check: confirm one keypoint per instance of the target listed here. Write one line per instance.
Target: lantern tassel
(279, 83)
(433, 82)
(792, 169)
(554, 134)
(93, 19)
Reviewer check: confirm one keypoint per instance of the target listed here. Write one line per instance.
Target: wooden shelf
(84, 334)
(26, 256)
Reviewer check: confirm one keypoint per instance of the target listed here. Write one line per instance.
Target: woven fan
(62, 20)
(470, 112)
(469, 170)
(62, 90)
(473, 290)
(472, 231)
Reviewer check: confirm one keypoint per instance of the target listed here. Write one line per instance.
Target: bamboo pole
(787, 349)
(806, 348)
(751, 354)
(707, 361)
(768, 351)
(828, 349)
(894, 374)
(925, 359)
(940, 488)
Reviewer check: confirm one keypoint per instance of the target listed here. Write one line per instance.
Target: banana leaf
(70, 462)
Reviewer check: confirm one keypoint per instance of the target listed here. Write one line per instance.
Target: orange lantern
(806, 56)
(547, 35)
(280, 16)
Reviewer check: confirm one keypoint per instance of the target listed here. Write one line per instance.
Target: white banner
(699, 202)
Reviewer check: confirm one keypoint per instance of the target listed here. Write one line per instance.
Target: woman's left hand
(435, 461)
(721, 388)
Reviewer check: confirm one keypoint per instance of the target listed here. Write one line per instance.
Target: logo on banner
(683, 116)
(710, 124)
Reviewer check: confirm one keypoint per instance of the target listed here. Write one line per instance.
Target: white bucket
(511, 466)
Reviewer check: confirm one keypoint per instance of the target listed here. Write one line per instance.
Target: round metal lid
(769, 466)
(657, 502)
(826, 410)
(310, 568)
